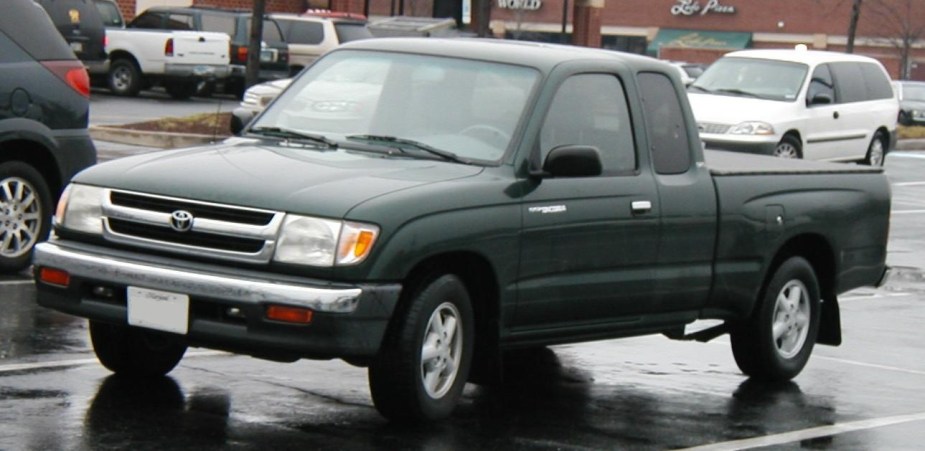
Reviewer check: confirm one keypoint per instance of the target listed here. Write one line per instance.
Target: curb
(163, 140)
(910, 144)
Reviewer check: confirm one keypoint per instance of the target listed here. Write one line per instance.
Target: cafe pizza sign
(694, 7)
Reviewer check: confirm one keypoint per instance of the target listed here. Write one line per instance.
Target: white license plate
(77, 47)
(160, 310)
(267, 56)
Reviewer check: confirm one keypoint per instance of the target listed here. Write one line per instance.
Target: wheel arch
(124, 55)
(35, 154)
(481, 282)
(820, 254)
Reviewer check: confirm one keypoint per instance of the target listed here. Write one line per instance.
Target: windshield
(464, 107)
(750, 77)
(913, 92)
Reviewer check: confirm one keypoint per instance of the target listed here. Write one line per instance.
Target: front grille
(713, 128)
(199, 210)
(197, 239)
(224, 232)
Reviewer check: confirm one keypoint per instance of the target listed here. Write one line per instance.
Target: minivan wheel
(124, 78)
(788, 147)
(876, 152)
(25, 214)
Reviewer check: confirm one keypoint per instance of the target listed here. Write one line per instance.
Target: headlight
(80, 209)
(752, 128)
(323, 242)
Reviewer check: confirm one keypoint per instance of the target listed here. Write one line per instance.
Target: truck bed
(723, 163)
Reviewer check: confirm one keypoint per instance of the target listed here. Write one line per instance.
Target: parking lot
(640, 393)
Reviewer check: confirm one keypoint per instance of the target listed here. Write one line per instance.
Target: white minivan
(797, 104)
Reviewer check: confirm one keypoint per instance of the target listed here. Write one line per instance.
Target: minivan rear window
(20, 21)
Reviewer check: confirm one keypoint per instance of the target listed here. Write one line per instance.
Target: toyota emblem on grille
(181, 221)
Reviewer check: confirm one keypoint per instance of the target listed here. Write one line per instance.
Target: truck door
(589, 243)
(686, 198)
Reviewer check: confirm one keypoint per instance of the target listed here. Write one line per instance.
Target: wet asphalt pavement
(640, 393)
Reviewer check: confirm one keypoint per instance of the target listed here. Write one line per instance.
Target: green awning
(697, 39)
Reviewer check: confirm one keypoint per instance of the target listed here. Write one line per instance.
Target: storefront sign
(692, 7)
(529, 5)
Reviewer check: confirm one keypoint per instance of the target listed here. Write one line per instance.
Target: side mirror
(821, 99)
(573, 161)
(240, 117)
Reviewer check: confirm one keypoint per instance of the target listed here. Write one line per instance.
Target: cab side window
(668, 140)
(591, 110)
(148, 21)
(820, 85)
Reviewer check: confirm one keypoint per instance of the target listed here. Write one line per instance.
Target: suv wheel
(25, 214)
(124, 78)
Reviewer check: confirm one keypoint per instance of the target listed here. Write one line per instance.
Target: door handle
(641, 206)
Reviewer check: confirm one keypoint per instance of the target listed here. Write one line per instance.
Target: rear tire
(132, 351)
(25, 214)
(876, 151)
(776, 342)
(124, 78)
(180, 90)
(424, 362)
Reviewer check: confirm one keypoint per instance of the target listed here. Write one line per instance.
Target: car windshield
(466, 108)
(750, 77)
(913, 92)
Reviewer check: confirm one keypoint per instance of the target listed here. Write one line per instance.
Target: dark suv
(44, 110)
(80, 24)
(274, 56)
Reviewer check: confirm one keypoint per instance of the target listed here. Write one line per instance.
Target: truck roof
(536, 54)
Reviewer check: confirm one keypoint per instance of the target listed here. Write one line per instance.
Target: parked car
(688, 71)
(797, 104)
(911, 96)
(257, 97)
(274, 53)
(178, 60)
(44, 141)
(80, 24)
(310, 35)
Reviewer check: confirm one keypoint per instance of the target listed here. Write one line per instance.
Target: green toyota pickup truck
(421, 206)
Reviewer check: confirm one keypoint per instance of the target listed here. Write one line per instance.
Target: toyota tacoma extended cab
(421, 206)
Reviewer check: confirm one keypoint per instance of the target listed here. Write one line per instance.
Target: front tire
(424, 363)
(133, 351)
(789, 147)
(776, 342)
(25, 214)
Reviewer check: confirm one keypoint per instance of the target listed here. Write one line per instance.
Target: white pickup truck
(176, 60)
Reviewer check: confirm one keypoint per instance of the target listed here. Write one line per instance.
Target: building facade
(893, 31)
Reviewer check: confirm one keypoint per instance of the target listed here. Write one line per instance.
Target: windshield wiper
(288, 134)
(402, 143)
(700, 88)
(739, 92)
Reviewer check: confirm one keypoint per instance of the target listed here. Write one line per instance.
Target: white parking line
(909, 184)
(78, 362)
(811, 433)
(908, 212)
(907, 155)
(16, 282)
(871, 365)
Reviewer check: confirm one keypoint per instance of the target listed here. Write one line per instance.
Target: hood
(265, 175)
(912, 104)
(723, 109)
